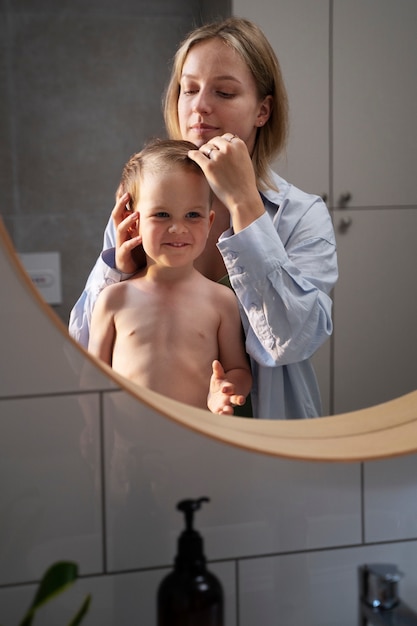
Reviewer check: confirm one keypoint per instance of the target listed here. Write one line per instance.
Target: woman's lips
(204, 129)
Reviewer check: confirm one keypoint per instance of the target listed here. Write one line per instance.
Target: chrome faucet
(379, 602)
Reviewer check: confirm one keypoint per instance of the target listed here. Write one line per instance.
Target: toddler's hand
(222, 395)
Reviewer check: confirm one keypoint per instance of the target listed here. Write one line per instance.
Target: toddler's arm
(102, 329)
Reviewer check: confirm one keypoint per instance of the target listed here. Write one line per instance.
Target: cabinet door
(375, 339)
(298, 30)
(375, 102)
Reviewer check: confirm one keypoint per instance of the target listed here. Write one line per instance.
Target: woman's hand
(129, 252)
(222, 395)
(227, 165)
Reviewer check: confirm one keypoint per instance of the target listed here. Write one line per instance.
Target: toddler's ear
(138, 226)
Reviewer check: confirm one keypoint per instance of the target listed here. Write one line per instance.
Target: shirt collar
(271, 198)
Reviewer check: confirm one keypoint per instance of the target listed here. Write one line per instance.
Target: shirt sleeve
(282, 270)
(103, 273)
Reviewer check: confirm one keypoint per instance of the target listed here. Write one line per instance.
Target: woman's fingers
(220, 144)
(227, 165)
(128, 227)
(121, 209)
(127, 237)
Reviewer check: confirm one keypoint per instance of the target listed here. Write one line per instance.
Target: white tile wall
(92, 475)
(391, 499)
(317, 588)
(49, 508)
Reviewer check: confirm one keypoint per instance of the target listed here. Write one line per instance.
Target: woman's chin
(198, 141)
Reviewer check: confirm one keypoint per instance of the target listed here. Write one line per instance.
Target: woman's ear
(264, 112)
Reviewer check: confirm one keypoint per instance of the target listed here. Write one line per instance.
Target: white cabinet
(374, 96)
(374, 143)
(351, 71)
(375, 307)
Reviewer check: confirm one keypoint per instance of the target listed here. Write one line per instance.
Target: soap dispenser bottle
(190, 595)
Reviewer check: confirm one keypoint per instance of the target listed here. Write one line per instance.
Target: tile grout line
(103, 482)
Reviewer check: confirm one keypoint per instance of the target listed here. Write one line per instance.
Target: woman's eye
(188, 91)
(191, 90)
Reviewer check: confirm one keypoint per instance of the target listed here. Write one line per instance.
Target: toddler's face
(175, 215)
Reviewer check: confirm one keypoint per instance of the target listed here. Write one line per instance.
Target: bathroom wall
(80, 90)
(88, 472)
(91, 474)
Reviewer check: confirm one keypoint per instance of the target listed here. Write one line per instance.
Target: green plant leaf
(81, 612)
(56, 579)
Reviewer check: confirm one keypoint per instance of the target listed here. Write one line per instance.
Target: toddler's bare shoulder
(115, 291)
(226, 294)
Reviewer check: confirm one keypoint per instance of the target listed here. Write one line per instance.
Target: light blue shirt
(282, 268)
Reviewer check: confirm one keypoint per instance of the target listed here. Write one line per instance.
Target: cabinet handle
(344, 224)
(344, 199)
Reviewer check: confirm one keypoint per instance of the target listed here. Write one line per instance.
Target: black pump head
(190, 543)
(188, 507)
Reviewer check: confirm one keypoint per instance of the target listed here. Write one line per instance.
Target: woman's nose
(202, 102)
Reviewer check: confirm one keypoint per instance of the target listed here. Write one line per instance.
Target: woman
(275, 242)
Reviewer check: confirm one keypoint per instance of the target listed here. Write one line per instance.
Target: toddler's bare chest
(171, 321)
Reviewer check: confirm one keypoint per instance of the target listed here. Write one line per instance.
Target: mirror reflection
(68, 137)
(272, 242)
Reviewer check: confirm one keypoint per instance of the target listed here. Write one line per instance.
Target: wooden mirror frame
(382, 431)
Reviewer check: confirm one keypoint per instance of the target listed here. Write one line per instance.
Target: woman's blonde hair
(251, 44)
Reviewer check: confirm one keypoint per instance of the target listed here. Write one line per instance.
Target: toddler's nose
(176, 228)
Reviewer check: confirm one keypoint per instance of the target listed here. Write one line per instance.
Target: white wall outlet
(44, 269)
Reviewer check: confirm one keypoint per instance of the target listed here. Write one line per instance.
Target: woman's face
(218, 94)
